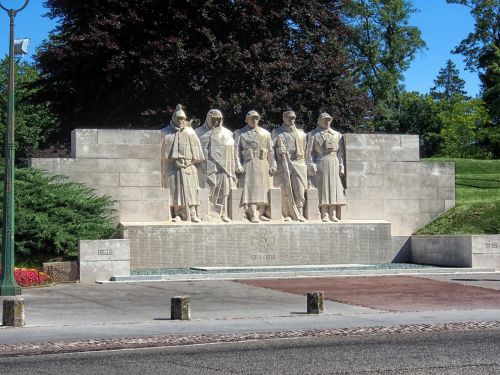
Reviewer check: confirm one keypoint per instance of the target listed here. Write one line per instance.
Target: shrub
(52, 214)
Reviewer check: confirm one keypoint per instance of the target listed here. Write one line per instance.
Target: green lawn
(477, 209)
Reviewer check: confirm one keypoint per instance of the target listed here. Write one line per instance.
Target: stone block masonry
(475, 251)
(176, 245)
(385, 178)
(123, 164)
(387, 181)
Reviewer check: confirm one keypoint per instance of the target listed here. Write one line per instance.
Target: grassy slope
(477, 209)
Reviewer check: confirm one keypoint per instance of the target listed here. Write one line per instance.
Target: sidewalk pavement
(72, 312)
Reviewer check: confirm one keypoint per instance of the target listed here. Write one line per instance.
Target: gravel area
(16, 350)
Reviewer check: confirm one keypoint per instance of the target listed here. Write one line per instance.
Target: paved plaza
(85, 317)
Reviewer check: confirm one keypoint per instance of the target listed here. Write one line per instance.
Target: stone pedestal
(155, 246)
(180, 309)
(312, 204)
(275, 203)
(315, 303)
(236, 213)
(13, 312)
(203, 207)
(101, 259)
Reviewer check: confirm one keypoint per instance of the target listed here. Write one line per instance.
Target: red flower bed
(30, 277)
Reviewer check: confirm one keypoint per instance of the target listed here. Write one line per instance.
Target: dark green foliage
(52, 214)
(124, 63)
(419, 115)
(477, 209)
(448, 83)
(34, 122)
(490, 79)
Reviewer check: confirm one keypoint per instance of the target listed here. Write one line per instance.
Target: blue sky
(443, 26)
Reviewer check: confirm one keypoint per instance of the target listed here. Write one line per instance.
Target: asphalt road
(451, 352)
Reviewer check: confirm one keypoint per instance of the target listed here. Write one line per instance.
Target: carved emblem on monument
(263, 240)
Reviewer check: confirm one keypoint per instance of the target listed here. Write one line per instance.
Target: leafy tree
(480, 49)
(464, 121)
(124, 63)
(53, 214)
(448, 83)
(486, 32)
(383, 45)
(34, 122)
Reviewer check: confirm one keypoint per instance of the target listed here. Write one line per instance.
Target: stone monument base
(180, 245)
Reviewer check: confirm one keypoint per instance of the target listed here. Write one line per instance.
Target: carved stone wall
(385, 178)
(158, 246)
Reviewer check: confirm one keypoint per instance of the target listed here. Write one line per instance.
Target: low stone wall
(62, 272)
(156, 246)
(476, 251)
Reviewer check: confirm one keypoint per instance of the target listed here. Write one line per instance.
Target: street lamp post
(8, 284)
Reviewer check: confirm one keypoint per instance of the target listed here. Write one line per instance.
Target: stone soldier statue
(291, 176)
(325, 166)
(255, 164)
(217, 172)
(181, 150)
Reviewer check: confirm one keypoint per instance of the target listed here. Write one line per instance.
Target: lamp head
(21, 46)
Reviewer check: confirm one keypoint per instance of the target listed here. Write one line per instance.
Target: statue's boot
(262, 216)
(224, 217)
(324, 214)
(177, 215)
(194, 216)
(333, 214)
(254, 214)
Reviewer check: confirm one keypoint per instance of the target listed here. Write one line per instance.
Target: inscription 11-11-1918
(263, 245)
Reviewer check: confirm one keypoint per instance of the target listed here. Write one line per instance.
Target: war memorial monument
(209, 197)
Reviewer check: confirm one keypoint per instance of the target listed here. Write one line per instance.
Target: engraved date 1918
(264, 257)
(492, 245)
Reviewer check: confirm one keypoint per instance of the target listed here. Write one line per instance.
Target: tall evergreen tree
(448, 83)
(118, 63)
(383, 45)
